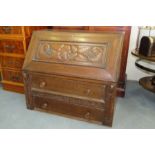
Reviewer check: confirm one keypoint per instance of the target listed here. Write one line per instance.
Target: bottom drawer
(68, 106)
(13, 76)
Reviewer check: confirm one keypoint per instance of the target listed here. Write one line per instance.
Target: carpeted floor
(136, 110)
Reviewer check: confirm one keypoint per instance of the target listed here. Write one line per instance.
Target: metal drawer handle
(13, 64)
(15, 78)
(87, 115)
(9, 48)
(42, 84)
(44, 105)
(7, 29)
(88, 91)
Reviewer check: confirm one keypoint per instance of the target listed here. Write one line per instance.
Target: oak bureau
(73, 73)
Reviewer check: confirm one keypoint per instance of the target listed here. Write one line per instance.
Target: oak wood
(63, 74)
(49, 103)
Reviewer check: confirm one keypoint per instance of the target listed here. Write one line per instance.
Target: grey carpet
(136, 110)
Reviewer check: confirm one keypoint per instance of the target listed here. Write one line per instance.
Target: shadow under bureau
(73, 73)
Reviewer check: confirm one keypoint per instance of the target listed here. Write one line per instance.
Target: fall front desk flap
(80, 54)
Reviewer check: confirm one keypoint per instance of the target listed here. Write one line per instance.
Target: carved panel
(72, 53)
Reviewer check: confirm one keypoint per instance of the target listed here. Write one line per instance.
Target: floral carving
(72, 53)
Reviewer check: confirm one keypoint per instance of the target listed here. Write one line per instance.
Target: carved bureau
(73, 73)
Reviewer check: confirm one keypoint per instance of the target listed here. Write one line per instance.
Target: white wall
(133, 73)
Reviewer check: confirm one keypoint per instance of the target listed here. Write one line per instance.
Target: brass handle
(13, 64)
(87, 115)
(88, 91)
(7, 29)
(44, 105)
(9, 48)
(15, 78)
(42, 84)
(10, 62)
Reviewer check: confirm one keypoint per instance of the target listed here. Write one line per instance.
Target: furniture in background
(126, 30)
(145, 52)
(149, 81)
(74, 73)
(14, 41)
(0, 73)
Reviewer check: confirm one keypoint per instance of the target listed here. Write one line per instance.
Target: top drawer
(10, 30)
(66, 85)
(11, 46)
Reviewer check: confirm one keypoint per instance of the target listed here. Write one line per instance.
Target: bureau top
(76, 53)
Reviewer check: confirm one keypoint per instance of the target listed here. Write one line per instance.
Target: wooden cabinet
(14, 41)
(0, 73)
(126, 30)
(74, 73)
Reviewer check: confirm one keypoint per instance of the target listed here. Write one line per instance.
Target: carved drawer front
(69, 86)
(11, 62)
(12, 76)
(68, 106)
(10, 30)
(8, 46)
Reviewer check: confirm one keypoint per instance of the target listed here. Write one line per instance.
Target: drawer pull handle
(13, 64)
(14, 78)
(87, 115)
(7, 29)
(44, 105)
(88, 91)
(9, 48)
(42, 84)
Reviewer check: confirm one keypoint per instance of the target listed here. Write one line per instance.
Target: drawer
(12, 76)
(69, 86)
(10, 30)
(11, 62)
(68, 106)
(8, 46)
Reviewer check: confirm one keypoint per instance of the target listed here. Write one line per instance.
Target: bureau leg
(107, 121)
(27, 91)
(30, 107)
